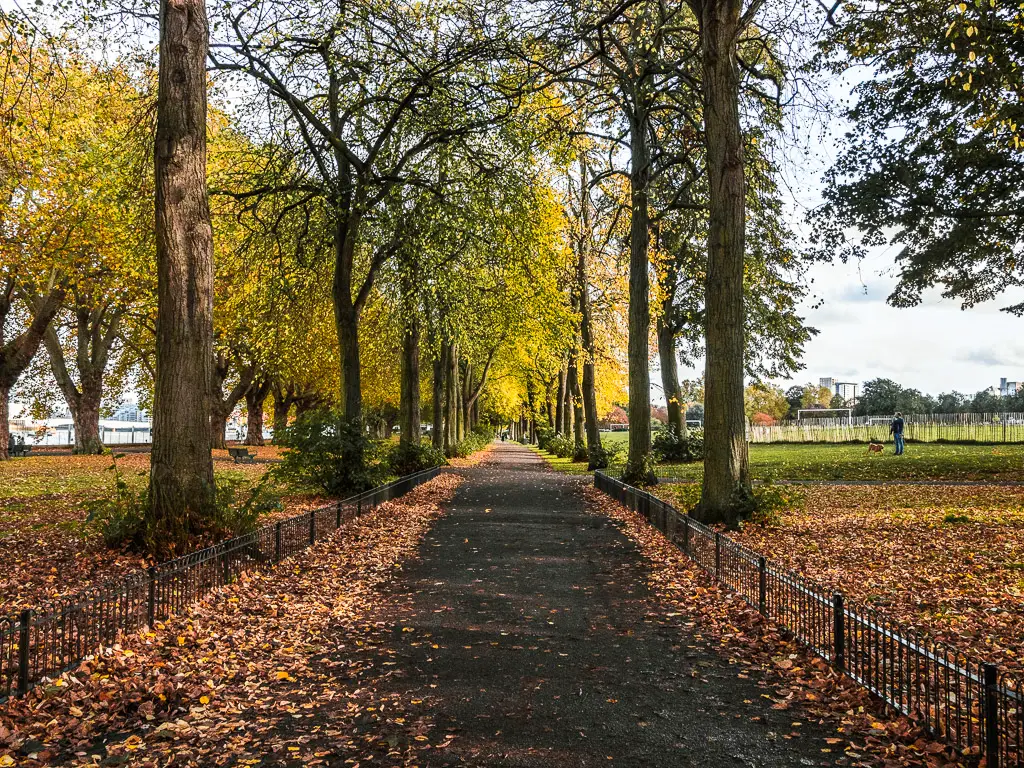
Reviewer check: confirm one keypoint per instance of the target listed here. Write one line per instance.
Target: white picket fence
(926, 428)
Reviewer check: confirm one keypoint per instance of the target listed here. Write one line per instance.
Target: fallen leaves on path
(279, 668)
(792, 678)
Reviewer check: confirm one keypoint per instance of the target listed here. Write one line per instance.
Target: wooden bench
(242, 455)
(19, 449)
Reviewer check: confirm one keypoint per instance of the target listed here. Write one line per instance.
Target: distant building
(845, 389)
(1009, 388)
(131, 412)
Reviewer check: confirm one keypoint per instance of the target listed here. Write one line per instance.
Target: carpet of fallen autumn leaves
(279, 668)
(47, 549)
(793, 678)
(944, 560)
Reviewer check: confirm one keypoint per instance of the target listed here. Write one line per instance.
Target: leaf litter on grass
(280, 668)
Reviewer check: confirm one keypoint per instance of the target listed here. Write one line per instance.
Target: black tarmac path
(524, 624)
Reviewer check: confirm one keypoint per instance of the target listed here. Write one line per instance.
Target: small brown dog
(875, 447)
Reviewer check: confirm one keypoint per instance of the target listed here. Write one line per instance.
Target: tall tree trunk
(451, 398)
(5, 422)
(85, 415)
(464, 404)
(670, 376)
(17, 353)
(255, 396)
(283, 400)
(95, 333)
(596, 458)
(409, 416)
(667, 332)
(726, 494)
(346, 313)
(573, 386)
(181, 488)
(221, 404)
(638, 468)
(560, 401)
(437, 429)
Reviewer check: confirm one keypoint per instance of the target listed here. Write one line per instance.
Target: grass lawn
(46, 547)
(922, 461)
(947, 560)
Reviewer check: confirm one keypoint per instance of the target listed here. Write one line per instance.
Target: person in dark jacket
(896, 430)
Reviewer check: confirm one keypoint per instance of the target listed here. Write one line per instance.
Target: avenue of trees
(468, 213)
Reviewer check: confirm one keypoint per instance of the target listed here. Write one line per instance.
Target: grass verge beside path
(954, 463)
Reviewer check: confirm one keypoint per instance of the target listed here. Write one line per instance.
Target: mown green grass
(922, 461)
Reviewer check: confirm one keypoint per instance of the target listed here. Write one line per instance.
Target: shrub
(671, 446)
(771, 500)
(406, 458)
(544, 437)
(121, 515)
(598, 458)
(327, 452)
(561, 446)
(473, 442)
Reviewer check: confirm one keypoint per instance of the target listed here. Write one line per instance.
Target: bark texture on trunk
(437, 430)
(670, 376)
(409, 407)
(639, 469)
(95, 332)
(181, 488)
(726, 492)
(560, 401)
(17, 353)
(255, 396)
(221, 403)
(573, 385)
(450, 357)
(596, 458)
(346, 314)
(5, 425)
(284, 398)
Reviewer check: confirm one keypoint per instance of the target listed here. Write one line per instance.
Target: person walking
(896, 430)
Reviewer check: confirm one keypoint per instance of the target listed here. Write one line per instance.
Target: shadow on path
(526, 626)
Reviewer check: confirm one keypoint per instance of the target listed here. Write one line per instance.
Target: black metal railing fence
(41, 643)
(968, 703)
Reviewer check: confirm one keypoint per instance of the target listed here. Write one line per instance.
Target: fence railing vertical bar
(961, 700)
(41, 643)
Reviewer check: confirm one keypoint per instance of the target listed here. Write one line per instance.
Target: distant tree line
(881, 397)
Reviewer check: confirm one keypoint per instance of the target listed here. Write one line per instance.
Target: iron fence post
(671, 520)
(359, 506)
(718, 556)
(686, 534)
(277, 543)
(225, 562)
(762, 586)
(337, 516)
(838, 632)
(991, 714)
(151, 602)
(312, 527)
(23, 640)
